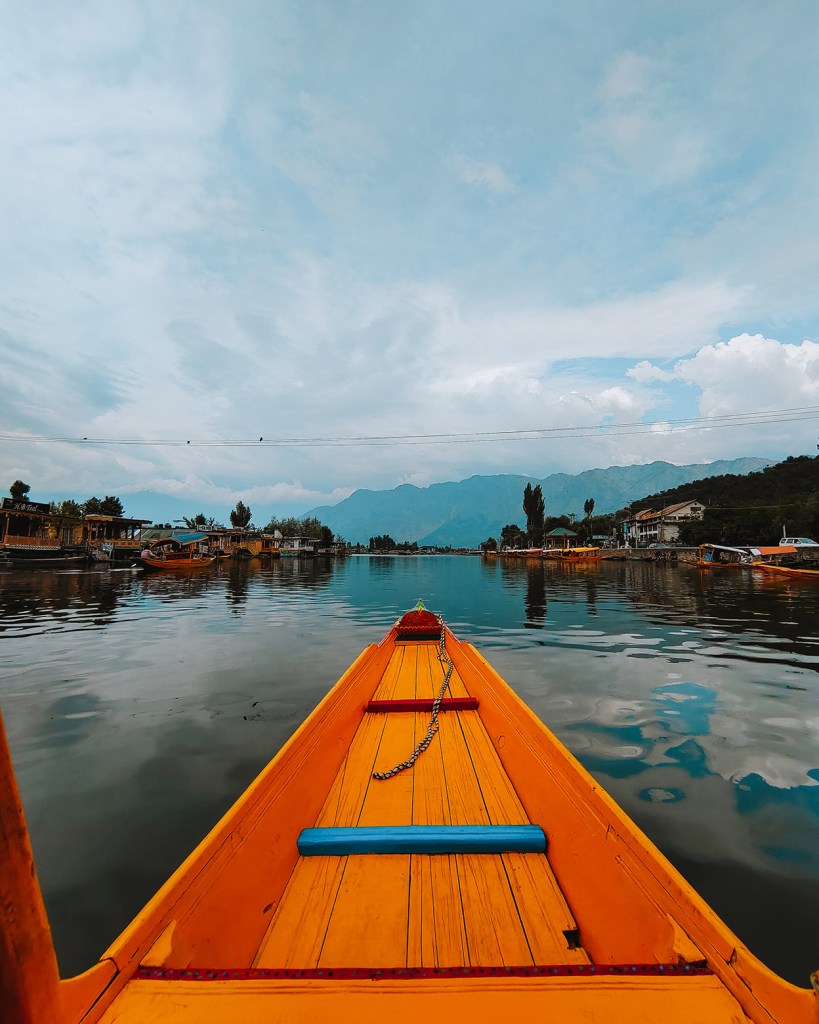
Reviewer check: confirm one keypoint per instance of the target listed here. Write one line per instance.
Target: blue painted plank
(339, 842)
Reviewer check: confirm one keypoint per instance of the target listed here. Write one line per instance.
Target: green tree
(490, 544)
(534, 508)
(19, 490)
(195, 522)
(588, 508)
(107, 506)
(112, 506)
(240, 516)
(67, 508)
(512, 536)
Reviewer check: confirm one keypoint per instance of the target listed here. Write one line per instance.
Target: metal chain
(432, 728)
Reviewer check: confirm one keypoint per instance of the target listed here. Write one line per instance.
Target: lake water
(139, 707)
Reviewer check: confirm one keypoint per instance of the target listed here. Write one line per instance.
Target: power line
(798, 414)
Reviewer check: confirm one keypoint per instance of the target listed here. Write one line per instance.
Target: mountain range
(464, 513)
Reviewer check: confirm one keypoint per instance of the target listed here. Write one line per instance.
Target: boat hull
(590, 923)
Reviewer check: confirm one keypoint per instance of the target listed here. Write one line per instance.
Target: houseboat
(33, 536)
(112, 538)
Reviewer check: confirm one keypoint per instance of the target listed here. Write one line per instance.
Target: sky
(400, 243)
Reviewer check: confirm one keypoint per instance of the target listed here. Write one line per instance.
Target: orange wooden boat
(787, 570)
(174, 555)
(421, 848)
(581, 554)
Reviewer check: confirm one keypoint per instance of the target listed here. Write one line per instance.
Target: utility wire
(798, 414)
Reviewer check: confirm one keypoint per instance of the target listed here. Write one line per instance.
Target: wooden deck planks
(466, 804)
(386, 689)
(399, 910)
(437, 934)
(542, 908)
(430, 804)
(500, 799)
(347, 794)
(370, 918)
(296, 934)
(494, 932)
(389, 801)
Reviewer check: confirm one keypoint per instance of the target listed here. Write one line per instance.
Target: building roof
(561, 531)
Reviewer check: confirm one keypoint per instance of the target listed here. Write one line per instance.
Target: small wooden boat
(422, 848)
(721, 556)
(786, 560)
(174, 555)
(801, 571)
(577, 554)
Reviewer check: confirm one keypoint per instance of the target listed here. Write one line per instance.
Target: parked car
(799, 542)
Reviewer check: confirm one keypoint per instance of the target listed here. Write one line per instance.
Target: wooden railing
(20, 540)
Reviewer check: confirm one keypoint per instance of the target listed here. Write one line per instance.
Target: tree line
(240, 516)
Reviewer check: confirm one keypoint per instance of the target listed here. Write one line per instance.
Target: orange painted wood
(499, 795)
(370, 917)
(430, 803)
(29, 979)
(428, 682)
(466, 803)
(349, 789)
(296, 933)
(437, 934)
(457, 687)
(385, 687)
(408, 679)
(609, 1000)
(542, 909)
(494, 931)
(389, 801)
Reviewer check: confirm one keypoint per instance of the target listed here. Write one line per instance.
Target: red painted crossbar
(423, 704)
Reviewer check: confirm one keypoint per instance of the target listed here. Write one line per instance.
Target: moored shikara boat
(577, 554)
(421, 847)
(175, 555)
(721, 556)
(803, 572)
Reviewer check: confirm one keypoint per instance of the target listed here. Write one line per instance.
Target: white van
(799, 542)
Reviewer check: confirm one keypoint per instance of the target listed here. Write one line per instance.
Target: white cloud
(628, 76)
(647, 373)
(752, 373)
(482, 175)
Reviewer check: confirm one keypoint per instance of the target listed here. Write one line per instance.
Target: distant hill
(795, 477)
(464, 513)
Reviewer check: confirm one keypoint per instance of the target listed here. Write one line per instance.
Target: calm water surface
(139, 707)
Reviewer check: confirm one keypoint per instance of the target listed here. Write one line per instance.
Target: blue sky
(376, 219)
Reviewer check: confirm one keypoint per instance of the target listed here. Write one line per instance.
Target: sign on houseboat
(11, 505)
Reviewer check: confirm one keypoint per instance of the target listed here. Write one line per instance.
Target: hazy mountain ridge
(464, 513)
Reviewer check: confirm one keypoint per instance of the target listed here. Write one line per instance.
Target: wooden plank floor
(401, 910)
